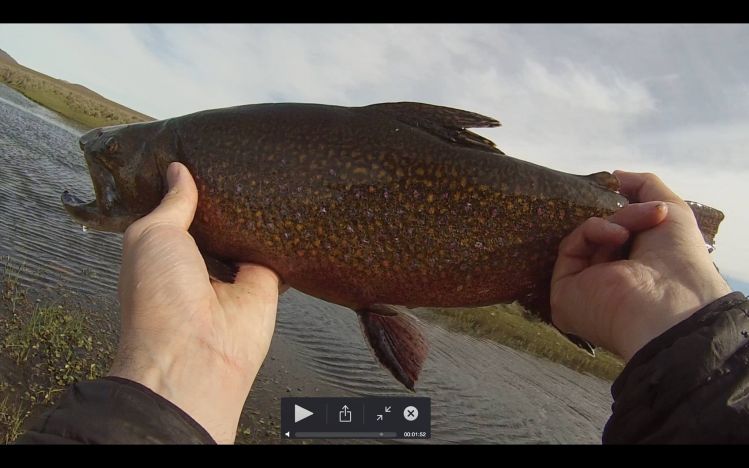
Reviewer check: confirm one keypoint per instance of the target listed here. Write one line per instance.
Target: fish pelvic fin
(396, 341)
(444, 122)
(220, 270)
(708, 220)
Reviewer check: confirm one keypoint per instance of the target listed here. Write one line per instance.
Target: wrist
(213, 396)
(677, 304)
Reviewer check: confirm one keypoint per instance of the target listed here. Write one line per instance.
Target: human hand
(622, 304)
(196, 342)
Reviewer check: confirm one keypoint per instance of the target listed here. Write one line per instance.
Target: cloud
(586, 90)
(670, 99)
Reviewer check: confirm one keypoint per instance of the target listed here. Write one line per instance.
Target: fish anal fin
(383, 309)
(538, 302)
(444, 122)
(396, 341)
(581, 343)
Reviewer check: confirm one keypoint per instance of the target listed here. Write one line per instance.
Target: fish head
(126, 173)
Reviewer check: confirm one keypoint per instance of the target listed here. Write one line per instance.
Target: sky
(581, 98)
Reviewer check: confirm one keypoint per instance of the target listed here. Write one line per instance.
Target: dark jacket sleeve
(691, 384)
(113, 410)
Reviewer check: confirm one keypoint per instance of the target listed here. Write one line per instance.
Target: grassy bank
(70, 100)
(45, 346)
(513, 326)
(49, 342)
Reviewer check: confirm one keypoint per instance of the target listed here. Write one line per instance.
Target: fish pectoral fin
(220, 270)
(444, 122)
(396, 341)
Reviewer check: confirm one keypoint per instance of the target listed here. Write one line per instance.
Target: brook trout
(372, 207)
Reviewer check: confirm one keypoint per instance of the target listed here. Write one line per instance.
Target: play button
(301, 413)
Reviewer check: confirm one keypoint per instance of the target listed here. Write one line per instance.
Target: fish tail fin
(708, 220)
(396, 341)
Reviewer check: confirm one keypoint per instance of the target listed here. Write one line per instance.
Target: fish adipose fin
(396, 341)
(444, 122)
(220, 270)
(708, 220)
(605, 179)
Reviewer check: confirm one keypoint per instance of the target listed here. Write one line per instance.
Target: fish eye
(111, 145)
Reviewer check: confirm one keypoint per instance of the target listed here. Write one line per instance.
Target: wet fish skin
(390, 204)
(356, 208)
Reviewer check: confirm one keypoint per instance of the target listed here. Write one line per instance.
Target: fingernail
(172, 175)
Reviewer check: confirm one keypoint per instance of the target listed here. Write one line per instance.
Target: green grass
(72, 101)
(12, 417)
(513, 326)
(12, 292)
(46, 345)
(55, 338)
(44, 348)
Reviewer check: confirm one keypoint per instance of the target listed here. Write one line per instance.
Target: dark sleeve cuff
(690, 384)
(113, 410)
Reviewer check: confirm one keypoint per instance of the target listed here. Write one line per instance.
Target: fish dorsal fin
(605, 180)
(444, 122)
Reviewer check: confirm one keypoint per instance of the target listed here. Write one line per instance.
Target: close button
(410, 413)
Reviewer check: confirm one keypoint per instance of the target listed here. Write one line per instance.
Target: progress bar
(344, 435)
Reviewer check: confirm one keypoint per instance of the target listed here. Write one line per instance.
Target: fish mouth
(90, 216)
(101, 214)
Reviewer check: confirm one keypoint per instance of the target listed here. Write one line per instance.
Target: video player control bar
(356, 418)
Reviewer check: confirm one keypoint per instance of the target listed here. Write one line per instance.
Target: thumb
(179, 204)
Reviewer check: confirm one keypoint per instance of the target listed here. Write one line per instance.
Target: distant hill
(74, 101)
(4, 57)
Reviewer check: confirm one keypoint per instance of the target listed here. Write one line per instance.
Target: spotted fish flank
(366, 207)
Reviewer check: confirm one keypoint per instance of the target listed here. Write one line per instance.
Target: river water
(481, 392)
